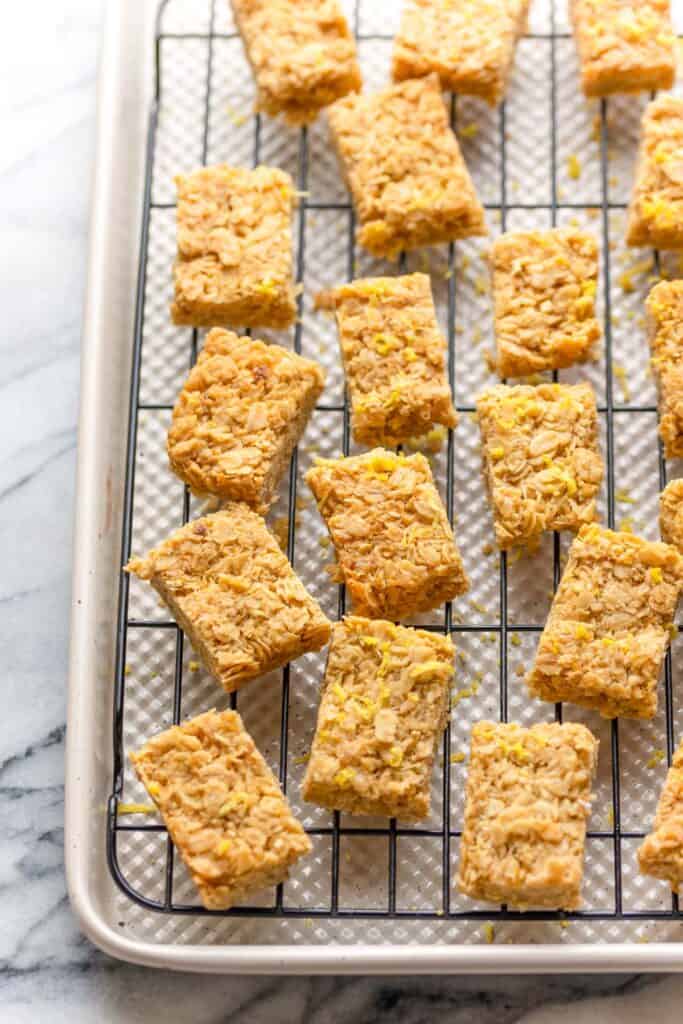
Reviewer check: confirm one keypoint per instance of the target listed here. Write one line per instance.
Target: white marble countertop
(49, 972)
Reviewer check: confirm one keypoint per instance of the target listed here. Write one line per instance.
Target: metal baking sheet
(372, 895)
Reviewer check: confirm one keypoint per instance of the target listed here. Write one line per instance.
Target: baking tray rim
(89, 568)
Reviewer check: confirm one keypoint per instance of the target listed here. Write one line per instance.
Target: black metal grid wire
(616, 834)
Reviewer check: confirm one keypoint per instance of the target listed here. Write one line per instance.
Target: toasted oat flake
(665, 331)
(383, 710)
(544, 287)
(301, 52)
(655, 214)
(234, 263)
(222, 577)
(608, 629)
(394, 359)
(404, 169)
(624, 46)
(661, 854)
(528, 798)
(470, 44)
(230, 846)
(239, 416)
(542, 463)
(394, 543)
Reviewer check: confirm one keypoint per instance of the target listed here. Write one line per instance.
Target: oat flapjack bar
(223, 807)
(469, 44)
(661, 854)
(624, 46)
(383, 710)
(542, 463)
(233, 592)
(394, 358)
(655, 213)
(610, 624)
(234, 264)
(404, 168)
(395, 547)
(664, 307)
(528, 800)
(239, 416)
(301, 52)
(544, 287)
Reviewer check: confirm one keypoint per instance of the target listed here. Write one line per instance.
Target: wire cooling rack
(369, 880)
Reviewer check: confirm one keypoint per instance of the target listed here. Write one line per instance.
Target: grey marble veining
(48, 971)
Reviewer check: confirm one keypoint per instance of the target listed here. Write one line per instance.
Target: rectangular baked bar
(239, 416)
(404, 169)
(671, 514)
(544, 287)
(395, 547)
(542, 462)
(234, 594)
(661, 854)
(610, 624)
(664, 307)
(394, 358)
(624, 46)
(234, 264)
(301, 52)
(383, 709)
(223, 807)
(469, 44)
(528, 799)
(655, 213)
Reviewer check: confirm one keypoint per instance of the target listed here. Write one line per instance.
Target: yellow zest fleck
(395, 757)
(673, 631)
(564, 924)
(409, 355)
(324, 542)
(266, 286)
(238, 120)
(657, 758)
(233, 582)
(515, 640)
(457, 758)
(154, 789)
(384, 344)
(497, 453)
(339, 692)
(235, 800)
(478, 607)
(589, 288)
(223, 847)
(626, 524)
(623, 497)
(656, 574)
(412, 696)
(369, 641)
(303, 759)
(582, 632)
(573, 166)
(622, 377)
(193, 666)
(481, 286)
(489, 932)
(468, 131)
(344, 776)
(136, 809)
(126, 670)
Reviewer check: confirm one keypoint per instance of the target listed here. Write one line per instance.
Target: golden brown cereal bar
(223, 807)
(470, 44)
(661, 854)
(233, 592)
(301, 52)
(542, 463)
(671, 514)
(544, 286)
(394, 544)
(528, 800)
(383, 710)
(238, 417)
(403, 166)
(665, 328)
(609, 626)
(394, 358)
(655, 214)
(234, 262)
(624, 46)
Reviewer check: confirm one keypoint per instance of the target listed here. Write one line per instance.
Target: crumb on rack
(573, 166)
(656, 758)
